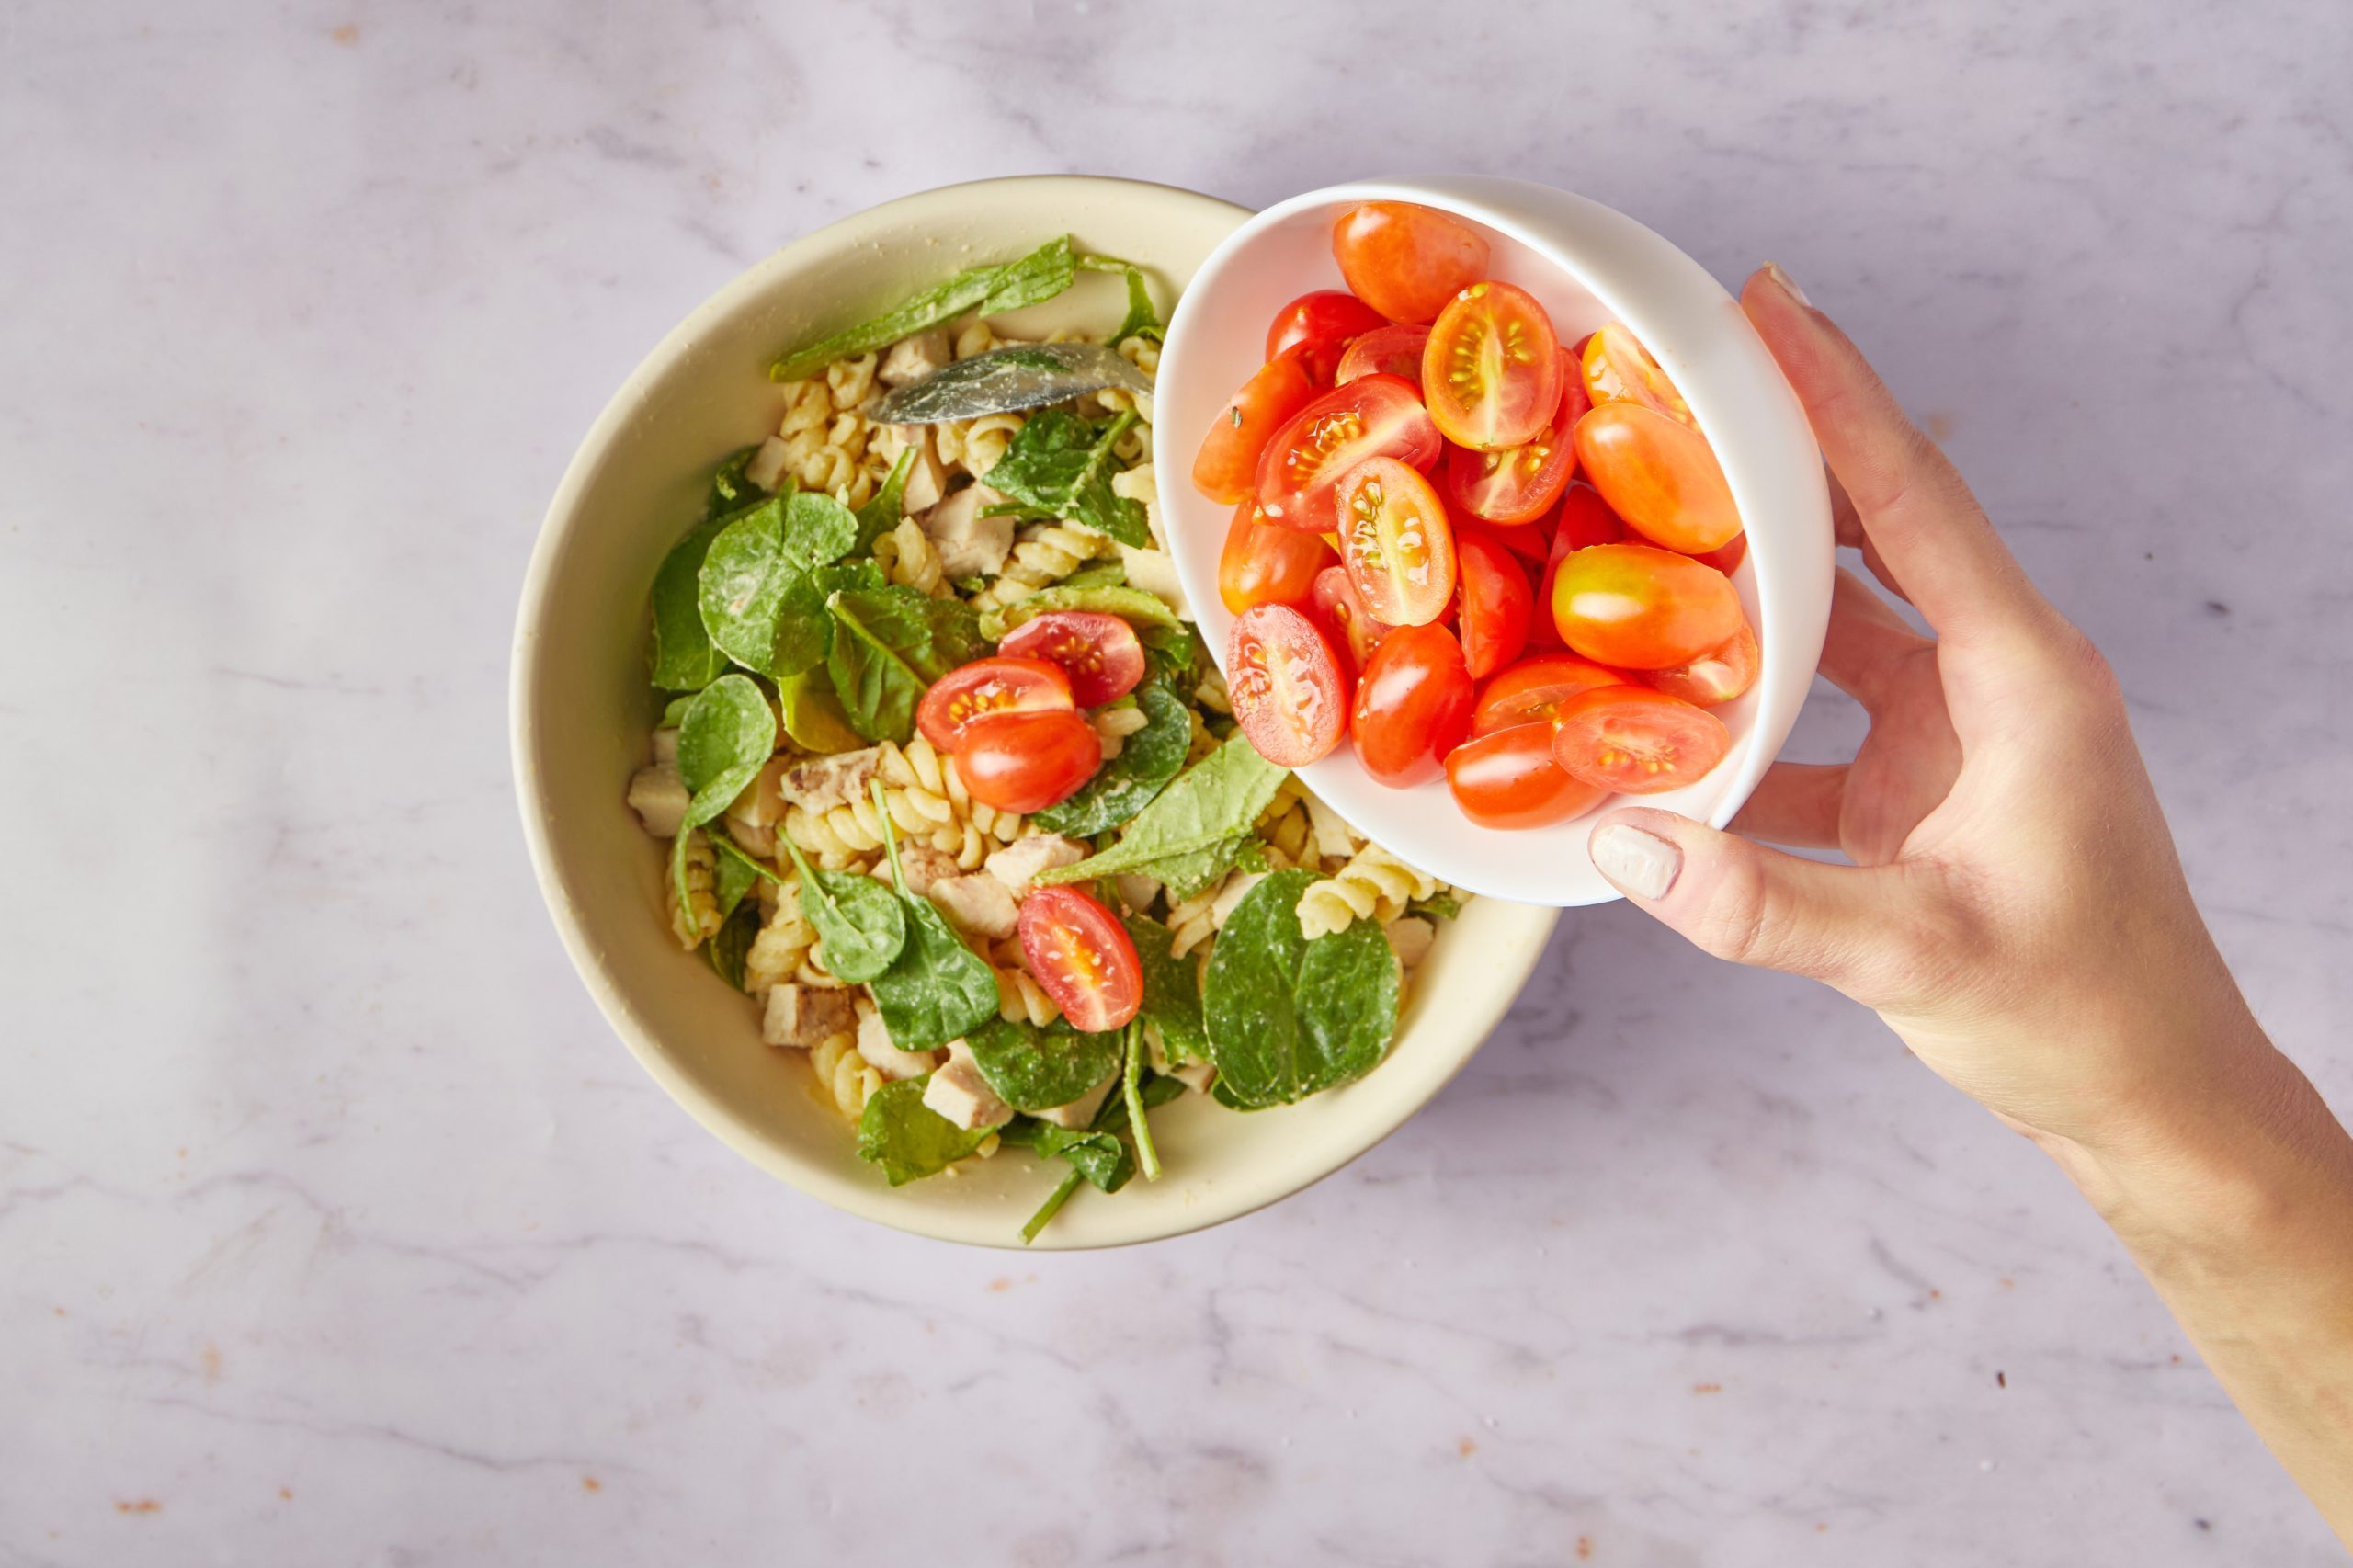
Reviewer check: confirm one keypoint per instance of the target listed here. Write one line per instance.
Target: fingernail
(1773, 269)
(1642, 863)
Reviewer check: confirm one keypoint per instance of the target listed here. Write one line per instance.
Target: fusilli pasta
(1375, 884)
(1044, 554)
(700, 919)
(845, 1079)
(907, 558)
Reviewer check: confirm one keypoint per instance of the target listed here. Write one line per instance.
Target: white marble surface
(334, 1227)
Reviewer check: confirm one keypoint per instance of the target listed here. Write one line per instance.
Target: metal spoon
(1022, 375)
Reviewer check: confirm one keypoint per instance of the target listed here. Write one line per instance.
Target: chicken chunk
(1019, 862)
(960, 1095)
(912, 359)
(926, 476)
(666, 746)
(970, 545)
(978, 905)
(874, 1045)
(925, 867)
(762, 802)
(806, 1015)
(1081, 1111)
(1229, 897)
(1410, 938)
(659, 797)
(766, 467)
(823, 782)
(1136, 890)
(1154, 571)
(1333, 833)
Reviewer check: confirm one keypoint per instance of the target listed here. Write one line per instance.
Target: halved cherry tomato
(1659, 476)
(1510, 779)
(1716, 677)
(1082, 956)
(1373, 416)
(1290, 695)
(1585, 519)
(1407, 261)
(1518, 485)
(1498, 603)
(1642, 608)
(1396, 542)
(1412, 705)
(1532, 690)
(1099, 652)
(989, 686)
(1341, 614)
(1262, 565)
(1026, 762)
(1491, 369)
(1637, 741)
(1392, 351)
(1321, 323)
(1226, 468)
(1727, 559)
(1615, 368)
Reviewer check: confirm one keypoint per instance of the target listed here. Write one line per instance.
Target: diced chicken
(1410, 938)
(978, 903)
(1018, 862)
(970, 545)
(1081, 1111)
(1154, 571)
(806, 1015)
(762, 802)
(1229, 897)
(926, 866)
(874, 1045)
(823, 782)
(766, 467)
(1333, 833)
(926, 476)
(666, 746)
(912, 359)
(659, 797)
(759, 841)
(1136, 890)
(960, 1094)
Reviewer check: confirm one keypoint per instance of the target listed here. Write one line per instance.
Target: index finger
(1915, 510)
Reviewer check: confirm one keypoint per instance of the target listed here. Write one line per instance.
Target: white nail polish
(1786, 282)
(1641, 863)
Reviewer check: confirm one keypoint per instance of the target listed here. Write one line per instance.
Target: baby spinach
(883, 513)
(1102, 575)
(1039, 276)
(1438, 906)
(907, 1138)
(1132, 1095)
(1172, 990)
(1196, 829)
(1289, 1016)
(1061, 466)
(889, 645)
(1137, 607)
(757, 598)
(685, 659)
(730, 491)
(937, 989)
(674, 713)
(725, 738)
(1035, 1069)
(1148, 759)
(813, 714)
(1098, 1156)
(732, 874)
(857, 920)
(726, 949)
(1142, 320)
(1172, 655)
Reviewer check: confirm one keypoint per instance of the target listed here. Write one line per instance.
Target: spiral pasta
(784, 950)
(976, 443)
(1375, 884)
(1020, 999)
(1193, 922)
(700, 919)
(826, 434)
(1114, 725)
(1044, 554)
(845, 1079)
(907, 558)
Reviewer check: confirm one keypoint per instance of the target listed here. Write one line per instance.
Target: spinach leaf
(1132, 1095)
(1172, 655)
(1288, 1017)
(813, 714)
(1037, 1069)
(1197, 828)
(726, 949)
(907, 1138)
(843, 576)
(1172, 990)
(725, 738)
(889, 645)
(674, 713)
(684, 656)
(1035, 278)
(882, 514)
(1102, 575)
(733, 875)
(757, 598)
(1061, 466)
(937, 989)
(857, 920)
(1142, 320)
(1128, 783)
(1097, 1156)
(1137, 607)
(730, 491)
(1438, 906)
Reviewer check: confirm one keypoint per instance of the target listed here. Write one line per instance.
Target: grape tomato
(1637, 607)
(1289, 693)
(1413, 706)
(1390, 351)
(1263, 564)
(1226, 468)
(1396, 542)
(1497, 603)
(1371, 417)
(1100, 653)
(1084, 958)
(1344, 619)
(1321, 324)
(1024, 762)
(1636, 741)
(1518, 485)
(1000, 685)
(1661, 476)
(1491, 369)
(1404, 260)
(1507, 779)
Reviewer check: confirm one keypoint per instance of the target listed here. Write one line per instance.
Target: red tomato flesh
(1226, 468)
(1262, 565)
(1636, 741)
(1026, 762)
(1637, 608)
(1716, 677)
(1373, 416)
(1615, 368)
(1392, 351)
(1661, 476)
(1082, 956)
(1396, 542)
(1340, 613)
(1321, 323)
(989, 686)
(1412, 705)
(1532, 690)
(1497, 603)
(1407, 261)
(1491, 369)
(1518, 485)
(1289, 693)
(1100, 653)
(1508, 779)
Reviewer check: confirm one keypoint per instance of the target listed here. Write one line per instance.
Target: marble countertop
(335, 1225)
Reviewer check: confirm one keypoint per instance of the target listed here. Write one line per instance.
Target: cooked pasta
(699, 920)
(845, 1079)
(1114, 725)
(907, 557)
(1374, 885)
(1020, 999)
(976, 443)
(1044, 554)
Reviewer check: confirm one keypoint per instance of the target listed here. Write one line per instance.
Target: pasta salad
(953, 794)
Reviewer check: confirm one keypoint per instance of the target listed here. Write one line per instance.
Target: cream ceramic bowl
(581, 711)
(1586, 263)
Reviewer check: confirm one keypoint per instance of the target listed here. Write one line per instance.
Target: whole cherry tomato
(1716, 677)
(1407, 261)
(1639, 608)
(1263, 565)
(989, 686)
(1226, 468)
(1100, 652)
(1026, 762)
(1321, 324)
(1289, 692)
(1658, 474)
(1412, 705)
(1082, 956)
(1392, 351)
(1498, 603)
(1396, 542)
(1636, 741)
(1507, 779)
(1491, 369)
(1373, 416)
(1583, 519)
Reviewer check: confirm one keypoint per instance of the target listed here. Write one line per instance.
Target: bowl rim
(1232, 1198)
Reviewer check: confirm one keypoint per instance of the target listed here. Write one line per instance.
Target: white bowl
(581, 711)
(1588, 265)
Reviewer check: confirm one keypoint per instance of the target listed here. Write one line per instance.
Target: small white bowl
(1588, 265)
(582, 712)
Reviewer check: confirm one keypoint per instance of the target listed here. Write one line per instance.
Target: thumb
(1738, 900)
